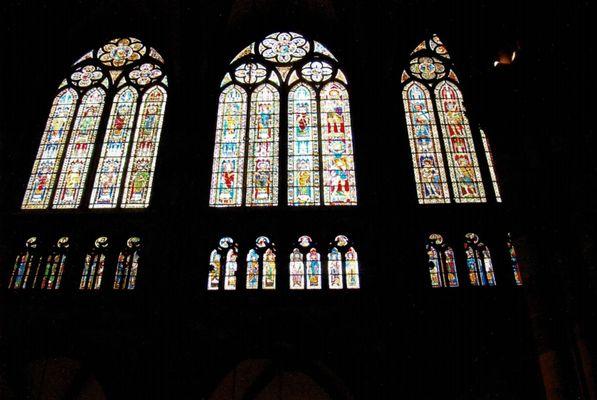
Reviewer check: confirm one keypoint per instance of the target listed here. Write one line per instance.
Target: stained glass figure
(478, 261)
(320, 152)
(441, 262)
(303, 147)
(262, 163)
(229, 152)
(428, 162)
(491, 165)
(127, 265)
(26, 266)
(139, 178)
(343, 261)
(93, 268)
(59, 175)
(430, 66)
(108, 179)
(336, 138)
(261, 258)
(514, 262)
(54, 265)
(297, 270)
(305, 265)
(223, 258)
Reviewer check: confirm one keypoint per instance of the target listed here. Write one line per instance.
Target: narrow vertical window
(229, 151)
(261, 258)
(93, 268)
(303, 147)
(478, 261)
(343, 262)
(262, 163)
(352, 269)
(305, 265)
(127, 265)
(458, 140)
(336, 137)
(514, 262)
(55, 264)
(224, 258)
(49, 154)
(80, 148)
(26, 266)
(428, 162)
(441, 262)
(139, 178)
(108, 178)
(490, 164)
(297, 269)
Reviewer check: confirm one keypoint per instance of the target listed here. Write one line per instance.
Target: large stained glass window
(514, 262)
(125, 77)
(26, 266)
(305, 265)
(441, 262)
(55, 263)
(223, 260)
(431, 94)
(127, 265)
(93, 267)
(261, 265)
(320, 162)
(491, 165)
(343, 265)
(478, 261)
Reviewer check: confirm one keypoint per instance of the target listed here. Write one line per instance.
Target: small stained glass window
(127, 265)
(94, 264)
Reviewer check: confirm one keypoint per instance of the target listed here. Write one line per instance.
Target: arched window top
(106, 83)
(284, 58)
(429, 62)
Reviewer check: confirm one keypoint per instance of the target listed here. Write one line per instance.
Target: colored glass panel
(335, 269)
(127, 266)
(269, 269)
(313, 269)
(490, 164)
(141, 167)
(262, 163)
(213, 281)
(458, 141)
(252, 270)
(108, 178)
(351, 261)
(434, 266)
(297, 270)
(79, 151)
(229, 151)
(231, 268)
(337, 150)
(47, 162)
(93, 271)
(488, 266)
(303, 147)
(514, 264)
(428, 163)
(450, 267)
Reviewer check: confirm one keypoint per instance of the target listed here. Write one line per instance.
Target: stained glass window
(319, 141)
(127, 265)
(431, 93)
(93, 267)
(54, 265)
(224, 258)
(478, 261)
(303, 146)
(441, 262)
(262, 163)
(305, 265)
(343, 265)
(59, 177)
(26, 266)
(261, 263)
(514, 262)
(490, 164)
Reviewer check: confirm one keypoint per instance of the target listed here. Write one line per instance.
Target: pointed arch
(320, 162)
(343, 264)
(141, 167)
(111, 76)
(305, 265)
(55, 265)
(261, 263)
(441, 262)
(93, 268)
(224, 257)
(47, 162)
(263, 160)
(303, 146)
(478, 261)
(127, 265)
(229, 151)
(110, 170)
(26, 266)
(432, 95)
